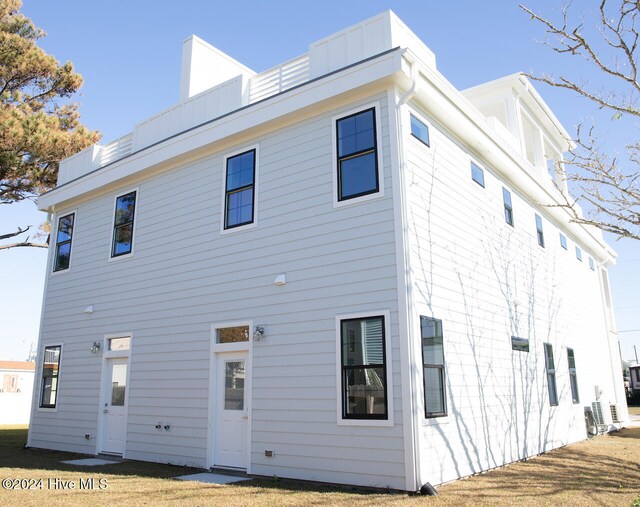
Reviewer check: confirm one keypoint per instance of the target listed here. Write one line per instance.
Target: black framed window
(508, 207)
(240, 189)
(573, 378)
(540, 232)
(520, 344)
(419, 130)
(563, 241)
(63, 242)
(357, 155)
(50, 372)
(551, 374)
(435, 400)
(123, 224)
(477, 174)
(578, 253)
(364, 377)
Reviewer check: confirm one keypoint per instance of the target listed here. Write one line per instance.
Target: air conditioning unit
(614, 413)
(598, 417)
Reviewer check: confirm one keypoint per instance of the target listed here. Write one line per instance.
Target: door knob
(106, 411)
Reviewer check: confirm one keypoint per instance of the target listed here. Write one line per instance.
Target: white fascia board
(200, 140)
(459, 116)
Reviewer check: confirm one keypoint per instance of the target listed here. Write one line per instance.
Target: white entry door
(231, 414)
(114, 396)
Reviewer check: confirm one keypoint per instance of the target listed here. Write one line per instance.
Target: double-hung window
(357, 153)
(435, 404)
(363, 365)
(123, 224)
(63, 242)
(539, 231)
(240, 189)
(551, 374)
(573, 378)
(50, 371)
(508, 207)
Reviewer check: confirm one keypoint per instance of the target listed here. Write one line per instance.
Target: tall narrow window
(592, 264)
(364, 382)
(578, 253)
(551, 374)
(239, 189)
(50, 371)
(573, 378)
(540, 233)
(123, 225)
(508, 207)
(563, 241)
(477, 174)
(435, 404)
(63, 242)
(357, 155)
(419, 130)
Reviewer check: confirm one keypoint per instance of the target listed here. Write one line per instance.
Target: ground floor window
(551, 374)
(435, 403)
(50, 371)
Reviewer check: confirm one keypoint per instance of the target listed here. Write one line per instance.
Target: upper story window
(578, 253)
(592, 264)
(123, 224)
(240, 179)
(50, 371)
(508, 207)
(357, 153)
(419, 130)
(64, 235)
(477, 174)
(435, 403)
(563, 241)
(539, 230)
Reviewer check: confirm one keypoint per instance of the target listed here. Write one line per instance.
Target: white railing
(279, 78)
(116, 150)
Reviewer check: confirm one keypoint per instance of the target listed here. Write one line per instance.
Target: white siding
(184, 276)
(488, 281)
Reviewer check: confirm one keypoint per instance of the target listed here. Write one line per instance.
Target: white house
(341, 269)
(16, 386)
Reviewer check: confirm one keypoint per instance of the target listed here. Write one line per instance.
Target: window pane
(125, 208)
(363, 342)
(553, 393)
(434, 390)
(123, 237)
(477, 174)
(578, 254)
(240, 170)
(120, 343)
(358, 175)
(234, 385)
(118, 384)
(419, 130)
(506, 195)
(65, 228)
(50, 370)
(356, 133)
(563, 241)
(432, 341)
(63, 255)
(240, 207)
(365, 391)
(233, 334)
(520, 344)
(548, 356)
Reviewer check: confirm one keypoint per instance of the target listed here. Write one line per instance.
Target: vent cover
(614, 413)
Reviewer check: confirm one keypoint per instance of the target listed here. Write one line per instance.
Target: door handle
(105, 411)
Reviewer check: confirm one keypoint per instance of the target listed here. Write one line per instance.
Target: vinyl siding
(185, 276)
(488, 281)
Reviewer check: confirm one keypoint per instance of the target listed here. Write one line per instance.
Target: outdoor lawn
(601, 471)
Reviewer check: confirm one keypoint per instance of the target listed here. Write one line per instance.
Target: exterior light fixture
(258, 333)
(95, 348)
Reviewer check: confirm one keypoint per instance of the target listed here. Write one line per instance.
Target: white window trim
(231, 347)
(39, 377)
(109, 354)
(256, 179)
(135, 224)
(334, 155)
(482, 167)
(388, 370)
(56, 218)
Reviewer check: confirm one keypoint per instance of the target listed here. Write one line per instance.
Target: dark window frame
(508, 207)
(228, 192)
(539, 230)
(56, 260)
(573, 376)
(41, 403)
(117, 226)
(550, 369)
(426, 142)
(344, 369)
(357, 154)
(442, 369)
(478, 170)
(519, 344)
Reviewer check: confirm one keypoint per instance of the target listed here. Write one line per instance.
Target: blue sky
(129, 54)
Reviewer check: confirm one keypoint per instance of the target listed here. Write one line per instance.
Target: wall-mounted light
(258, 333)
(95, 348)
(89, 310)
(281, 279)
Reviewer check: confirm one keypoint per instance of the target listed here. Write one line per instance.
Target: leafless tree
(608, 40)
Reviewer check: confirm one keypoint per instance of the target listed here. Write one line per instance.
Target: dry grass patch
(634, 410)
(601, 471)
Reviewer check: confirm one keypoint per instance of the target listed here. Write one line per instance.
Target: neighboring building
(334, 270)
(16, 386)
(634, 378)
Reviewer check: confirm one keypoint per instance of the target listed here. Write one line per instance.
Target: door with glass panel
(114, 398)
(231, 414)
